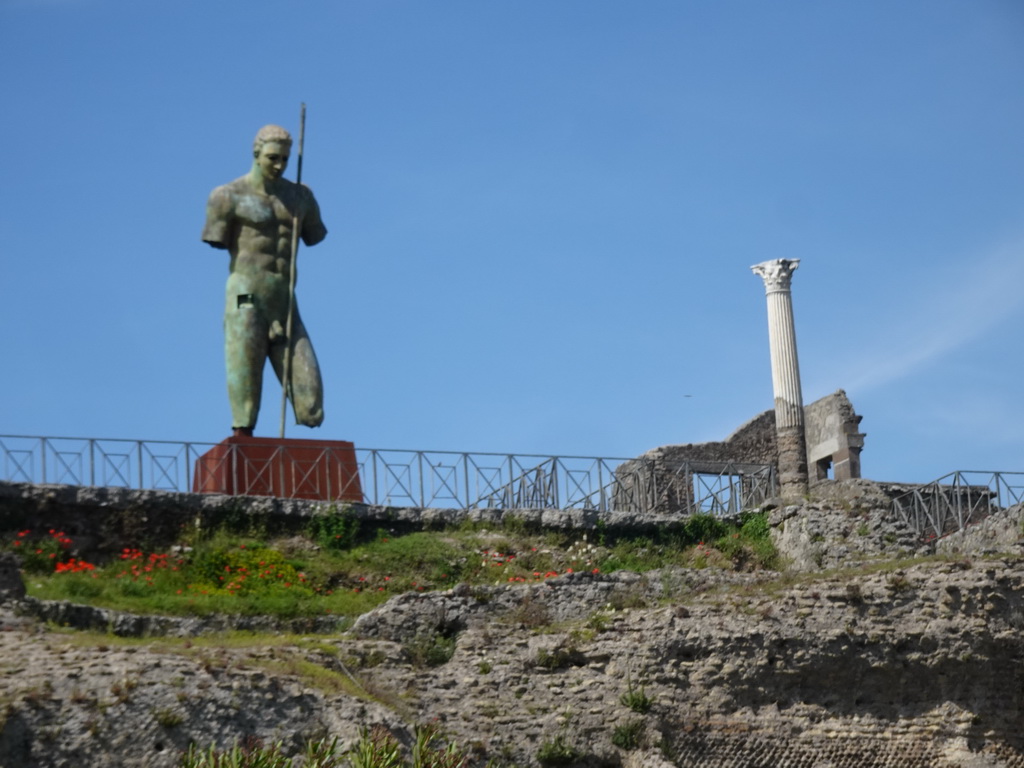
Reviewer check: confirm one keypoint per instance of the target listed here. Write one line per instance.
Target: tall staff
(286, 377)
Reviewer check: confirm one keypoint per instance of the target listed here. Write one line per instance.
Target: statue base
(269, 466)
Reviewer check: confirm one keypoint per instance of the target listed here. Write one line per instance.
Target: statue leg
(306, 389)
(245, 354)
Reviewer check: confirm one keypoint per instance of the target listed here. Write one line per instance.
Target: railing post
(465, 479)
(510, 493)
(329, 462)
(419, 464)
(188, 468)
(554, 483)
(92, 462)
(375, 494)
(42, 458)
(138, 444)
(287, 473)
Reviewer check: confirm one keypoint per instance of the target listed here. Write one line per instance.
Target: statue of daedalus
(253, 218)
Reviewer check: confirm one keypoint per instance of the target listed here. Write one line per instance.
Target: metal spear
(287, 373)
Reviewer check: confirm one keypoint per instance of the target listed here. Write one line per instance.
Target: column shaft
(789, 401)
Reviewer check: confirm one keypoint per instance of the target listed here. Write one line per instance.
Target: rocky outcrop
(1003, 532)
(912, 667)
(847, 523)
(11, 585)
(846, 660)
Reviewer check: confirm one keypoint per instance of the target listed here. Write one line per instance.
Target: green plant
(376, 748)
(322, 753)
(751, 545)
(599, 621)
(530, 613)
(628, 735)
(628, 597)
(636, 700)
(559, 657)
(863, 530)
(898, 582)
(41, 554)
(251, 754)
(430, 650)
(335, 529)
(557, 752)
(167, 717)
(426, 755)
(484, 667)
(519, 525)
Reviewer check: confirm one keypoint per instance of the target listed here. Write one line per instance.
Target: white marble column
(789, 401)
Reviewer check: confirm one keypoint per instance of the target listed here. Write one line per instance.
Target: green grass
(629, 735)
(343, 570)
(376, 748)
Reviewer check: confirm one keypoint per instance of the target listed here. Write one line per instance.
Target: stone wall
(833, 439)
(659, 477)
(104, 520)
(911, 668)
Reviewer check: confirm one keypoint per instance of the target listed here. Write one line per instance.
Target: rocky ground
(847, 659)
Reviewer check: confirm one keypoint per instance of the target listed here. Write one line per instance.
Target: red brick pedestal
(270, 466)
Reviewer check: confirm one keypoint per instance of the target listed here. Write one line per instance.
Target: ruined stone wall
(872, 667)
(833, 439)
(914, 668)
(658, 478)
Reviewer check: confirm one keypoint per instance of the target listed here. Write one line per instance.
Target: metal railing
(393, 477)
(957, 500)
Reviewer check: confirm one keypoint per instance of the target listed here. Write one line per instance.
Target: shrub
(41, 554)
(530, 613)
(898, 582)
(559, 658)
(557, 752)
(426, 755)
(251, 754)
(628, 735)
(242, 571)
(167, 717)
(335, 529)
(636, 700)
(430, 650)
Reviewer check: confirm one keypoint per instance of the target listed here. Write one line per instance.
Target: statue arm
(313, 229)
(219, 219)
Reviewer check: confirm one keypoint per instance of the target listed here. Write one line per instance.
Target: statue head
(268, 133)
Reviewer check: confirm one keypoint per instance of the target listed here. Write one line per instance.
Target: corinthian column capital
(777, 273)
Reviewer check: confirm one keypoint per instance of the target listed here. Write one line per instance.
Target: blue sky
(542, 217)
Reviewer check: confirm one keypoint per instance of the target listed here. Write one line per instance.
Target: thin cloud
(944, 314)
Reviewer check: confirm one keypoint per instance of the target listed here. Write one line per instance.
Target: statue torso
(256, 228)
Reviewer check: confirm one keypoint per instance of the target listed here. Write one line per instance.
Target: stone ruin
(12, 588)
(663, 477)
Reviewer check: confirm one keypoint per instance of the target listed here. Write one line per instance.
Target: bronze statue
(253, 219)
